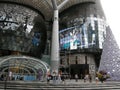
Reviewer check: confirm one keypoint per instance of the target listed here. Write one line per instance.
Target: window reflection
(20, 28)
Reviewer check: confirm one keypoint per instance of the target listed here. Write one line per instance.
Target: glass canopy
(23, 65)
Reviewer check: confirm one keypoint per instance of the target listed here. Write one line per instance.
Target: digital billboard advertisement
(90, 34)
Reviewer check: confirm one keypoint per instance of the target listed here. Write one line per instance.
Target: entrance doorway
(80, 69)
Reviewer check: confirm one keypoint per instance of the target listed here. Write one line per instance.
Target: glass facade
(20, 28)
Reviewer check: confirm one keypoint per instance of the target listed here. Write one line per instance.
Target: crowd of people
(57, 78)
(61, 78)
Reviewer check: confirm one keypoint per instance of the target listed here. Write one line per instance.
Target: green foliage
(99, 75)
(102, 75)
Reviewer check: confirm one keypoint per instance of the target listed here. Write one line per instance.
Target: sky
(112, 12)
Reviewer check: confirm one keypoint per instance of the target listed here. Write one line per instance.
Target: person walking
(90, 78)
(96, 79)
(10, 75)
(40, 73)
(54, 77)
(48, 78)
(63, 78)
(76, 77)
(59, 78)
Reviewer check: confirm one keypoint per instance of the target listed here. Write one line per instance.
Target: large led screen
(90, 34)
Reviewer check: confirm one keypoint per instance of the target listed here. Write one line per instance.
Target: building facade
(82, 34)
(25, 29)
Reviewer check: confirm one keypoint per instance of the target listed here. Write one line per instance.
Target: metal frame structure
(24, 62)
(45, 6)
(55, 58)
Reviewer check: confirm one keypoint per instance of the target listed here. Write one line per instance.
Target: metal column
(55, 58)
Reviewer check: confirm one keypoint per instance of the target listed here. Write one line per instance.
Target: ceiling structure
(45, 6)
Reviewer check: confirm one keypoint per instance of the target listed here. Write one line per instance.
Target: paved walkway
(68, 85)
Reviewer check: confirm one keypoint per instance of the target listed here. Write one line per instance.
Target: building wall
(84, 22)
(70, 59)
(89, 18)
(82, 10)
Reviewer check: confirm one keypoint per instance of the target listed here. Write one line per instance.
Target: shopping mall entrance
(18, 67)
(80, 69)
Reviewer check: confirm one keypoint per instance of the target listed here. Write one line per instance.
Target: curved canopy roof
(45, 6)
(29, 64)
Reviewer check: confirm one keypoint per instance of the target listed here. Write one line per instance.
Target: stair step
(11, 85)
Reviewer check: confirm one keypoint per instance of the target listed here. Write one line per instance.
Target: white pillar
(55, 44)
